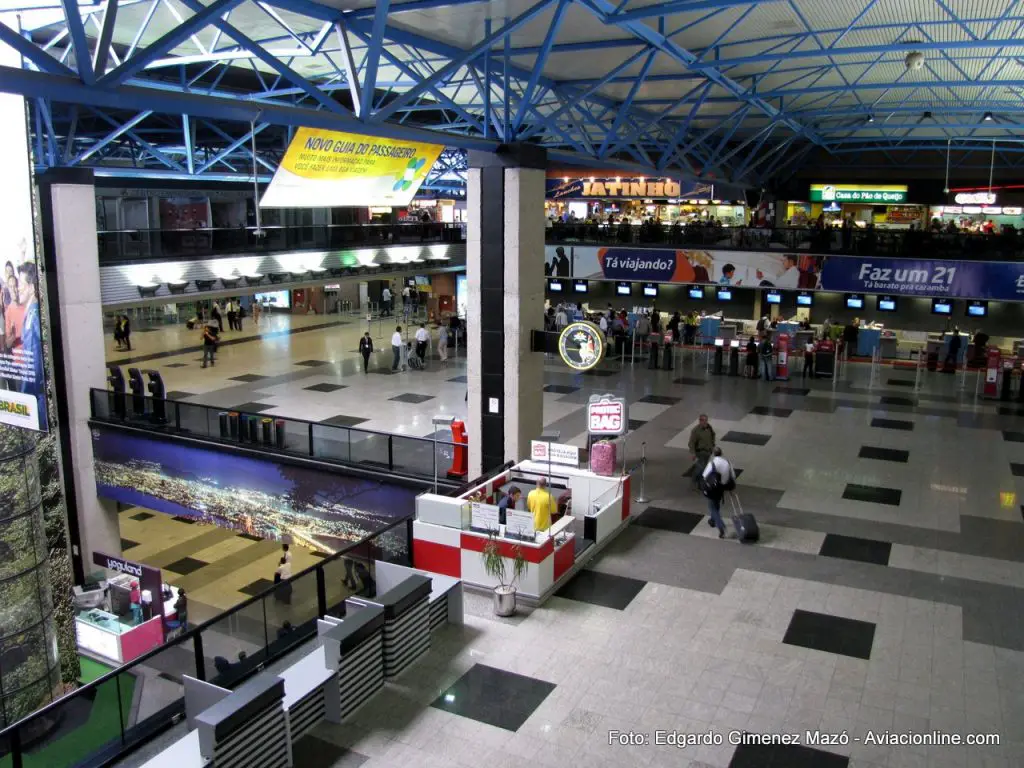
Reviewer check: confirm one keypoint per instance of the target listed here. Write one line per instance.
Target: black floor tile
(900, 382)
(764, 410)
(141, 516)
(341, 420)
(186, 565)
(884, 454)
(747, 438)
(873, 494)
(179, 394)
(601, 373)
(906, 426)
(185, 520)
(894, 400)
(176, 365)
(831, 634)
(313, 752)
(668, 519)
(603, 589)
(409, 397)
(494, 696)
(690, 382)
(128, 544)
(460, 380)
(325, 387)
(853, 548)
(561, 389)
(1013, 437)
(1006, 410)
(659, 399)
(313, 363)
(635, 424)
(257, 587)
(803, 391)
(250, 537)
(248, 378)
(784, 756)
(1017, 469)
(253, 407)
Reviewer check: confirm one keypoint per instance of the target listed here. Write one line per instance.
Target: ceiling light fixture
(988, 117)
(871, 118)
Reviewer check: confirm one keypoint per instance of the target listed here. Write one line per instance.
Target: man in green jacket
(702, 443)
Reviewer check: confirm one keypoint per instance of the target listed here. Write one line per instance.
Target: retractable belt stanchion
(642, 498)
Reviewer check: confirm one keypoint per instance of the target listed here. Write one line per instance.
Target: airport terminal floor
(886, 593)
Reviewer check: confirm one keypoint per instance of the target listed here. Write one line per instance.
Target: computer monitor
(650, 289)
(624, 289)
(580, 286)
(724, 294)
(773, 297)
(977, 308)
(696, 293)
(942, 306)
(886, 304)
(854, 301)
(804, 299)
(556, 286)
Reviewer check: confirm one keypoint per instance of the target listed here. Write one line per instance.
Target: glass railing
(419, 458)
(118, 711)
(142, 244)
(860, 242)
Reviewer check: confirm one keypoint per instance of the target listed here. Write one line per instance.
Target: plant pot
(504, 601)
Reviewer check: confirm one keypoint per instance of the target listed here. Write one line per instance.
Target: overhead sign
(621, 188)
(975, 198)
(581, 345)
(857, 193)
(22, 379)
(607, 415)
(554, 453)
(918, 277)
(327, 169)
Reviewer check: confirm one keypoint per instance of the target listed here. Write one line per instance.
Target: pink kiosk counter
(450, 532)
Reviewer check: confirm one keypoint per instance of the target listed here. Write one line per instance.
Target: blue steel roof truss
(731, 90)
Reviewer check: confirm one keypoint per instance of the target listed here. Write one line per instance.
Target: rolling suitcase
(602, 458)
(744, 522)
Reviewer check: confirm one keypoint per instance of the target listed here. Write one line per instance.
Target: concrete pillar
(68, 213)
(505, 283)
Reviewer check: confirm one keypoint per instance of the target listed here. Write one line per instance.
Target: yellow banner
(328, 168)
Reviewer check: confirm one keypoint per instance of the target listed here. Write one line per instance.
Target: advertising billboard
(859, 193)
(324, 169)
(625, 189)
(321, 510)
(22, 381)
(999, 281)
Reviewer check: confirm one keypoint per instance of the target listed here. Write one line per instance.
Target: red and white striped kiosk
(450, 532)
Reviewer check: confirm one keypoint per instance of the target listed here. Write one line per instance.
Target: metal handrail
(10, 734)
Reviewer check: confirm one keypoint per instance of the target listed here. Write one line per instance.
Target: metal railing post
(321, 592)
(197, 649)
(642, 498)
(632, 351)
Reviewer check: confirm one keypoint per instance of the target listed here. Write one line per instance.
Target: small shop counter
(446, 541)
(108, 638)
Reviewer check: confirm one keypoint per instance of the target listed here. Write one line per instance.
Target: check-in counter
(406, 629)
(308, 684)
(446, 542)
(247, 728)
(354, 648)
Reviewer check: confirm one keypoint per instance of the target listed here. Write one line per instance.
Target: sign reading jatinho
(858, 193)
(326, 169)
(581, 346)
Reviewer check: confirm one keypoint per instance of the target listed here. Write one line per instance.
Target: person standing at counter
(750, 366)
(766, 350)
(851, 333)
(541, 504)
(953, 349)
(673, 326)
(826, 328)
(808, 359)
(702, 443)
(511, 499)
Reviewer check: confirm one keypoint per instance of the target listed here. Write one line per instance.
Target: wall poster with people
(22, 380)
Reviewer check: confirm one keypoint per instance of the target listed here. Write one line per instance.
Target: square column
(504, 248)
(67, 200)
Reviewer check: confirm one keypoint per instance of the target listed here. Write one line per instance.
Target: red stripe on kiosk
(437, 558)
(507, 547)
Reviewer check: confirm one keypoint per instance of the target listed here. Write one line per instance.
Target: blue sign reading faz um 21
(912, 277)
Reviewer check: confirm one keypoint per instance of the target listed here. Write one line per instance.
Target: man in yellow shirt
(542, 505)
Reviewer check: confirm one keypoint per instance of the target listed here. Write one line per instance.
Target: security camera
(914, 60)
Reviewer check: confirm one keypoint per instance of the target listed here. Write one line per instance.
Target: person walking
(126, 332)
(366, 349)
(256, 309)
(808, 359)
(702, 443)
(385, 302)
(422, 340)
(718, 478)
(750, 368)
(396, 347)
(118, 338)
(442, 342)
(217, 318)
(282, 574)
(232, 314)
(209, 340)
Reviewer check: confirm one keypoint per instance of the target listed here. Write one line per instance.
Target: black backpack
(712, 486)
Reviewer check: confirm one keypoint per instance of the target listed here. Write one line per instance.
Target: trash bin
(268, 426)
(279, 433)
(224, 428)
(233, 425)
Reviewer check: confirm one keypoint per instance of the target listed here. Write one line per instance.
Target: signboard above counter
(881, 194)
(626, 188)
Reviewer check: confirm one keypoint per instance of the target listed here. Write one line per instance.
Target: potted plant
(497, 567)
